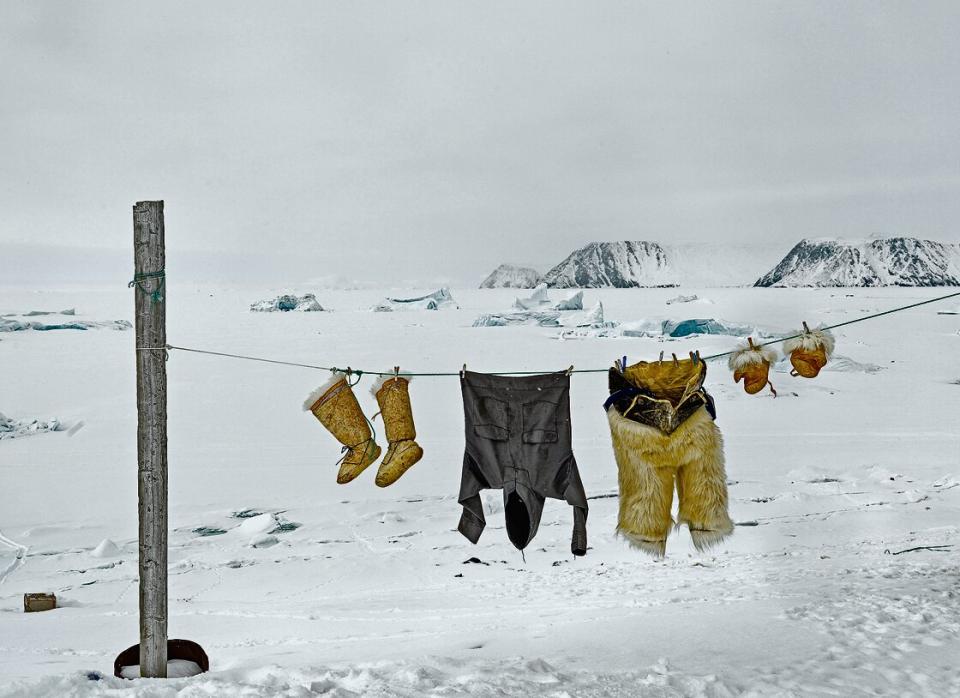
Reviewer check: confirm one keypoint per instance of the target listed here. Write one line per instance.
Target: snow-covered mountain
(642, 263)
(623, 264)
(510, 276)
(895, 261)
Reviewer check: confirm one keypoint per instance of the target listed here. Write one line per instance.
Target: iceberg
(437, 300)
(656, 328)
(12, 428)
(7, 325)
(36, 313)
(685, 328)
(539, 299)
(287, 302)
(544, 318)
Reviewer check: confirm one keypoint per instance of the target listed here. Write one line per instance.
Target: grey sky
(424, 140)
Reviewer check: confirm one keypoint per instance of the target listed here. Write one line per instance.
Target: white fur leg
(657, 548)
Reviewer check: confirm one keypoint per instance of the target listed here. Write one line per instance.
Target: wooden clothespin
(750, 342)
(695, 358)
(675, 361)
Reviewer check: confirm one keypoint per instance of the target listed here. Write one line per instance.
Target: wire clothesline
(360, 372)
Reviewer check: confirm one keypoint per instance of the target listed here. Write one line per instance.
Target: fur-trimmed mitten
(809, 352)
(648, 463)
(752, 363)
(394, 399)
(336, 407)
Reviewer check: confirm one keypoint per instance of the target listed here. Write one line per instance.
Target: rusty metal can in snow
(33, 603)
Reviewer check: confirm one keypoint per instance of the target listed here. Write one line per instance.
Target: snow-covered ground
(369, 591)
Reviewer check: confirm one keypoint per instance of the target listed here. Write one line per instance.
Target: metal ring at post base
(176, 649)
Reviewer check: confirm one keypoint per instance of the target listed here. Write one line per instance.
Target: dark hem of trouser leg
(470, 526)
(578, 543)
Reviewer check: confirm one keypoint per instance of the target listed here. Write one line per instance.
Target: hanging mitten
(394, 399)
(335, 405)
(752, 363)
(809, 352)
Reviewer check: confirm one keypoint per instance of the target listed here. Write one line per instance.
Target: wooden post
(151, 325)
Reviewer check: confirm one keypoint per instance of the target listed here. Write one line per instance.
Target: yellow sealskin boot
(336, 407)
(393, 396)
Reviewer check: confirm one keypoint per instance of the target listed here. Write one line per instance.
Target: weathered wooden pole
(151, 325)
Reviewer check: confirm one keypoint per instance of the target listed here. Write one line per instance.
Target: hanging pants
(518, 440)
(649, 461)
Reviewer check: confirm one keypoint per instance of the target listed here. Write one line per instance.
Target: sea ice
(437, 300)
(287, 302)
(13, 428)
(7, 325)
(540, 300)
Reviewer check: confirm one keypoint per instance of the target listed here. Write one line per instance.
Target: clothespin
(350, 372)
(463, 371)
(396, 372)
(660, 360)
(675, 361)
(750, 342)
(694, 358)
(805, 328)
(570, 370)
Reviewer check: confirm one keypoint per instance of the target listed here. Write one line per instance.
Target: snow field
(363, 591)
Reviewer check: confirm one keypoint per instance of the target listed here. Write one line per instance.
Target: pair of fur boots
(335, 405)
(671, 443)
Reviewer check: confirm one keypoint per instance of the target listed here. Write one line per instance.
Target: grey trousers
(518, 440)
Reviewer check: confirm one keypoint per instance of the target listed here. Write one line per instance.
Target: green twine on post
(157, 294)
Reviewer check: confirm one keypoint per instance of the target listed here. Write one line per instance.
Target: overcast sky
(415, 140)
